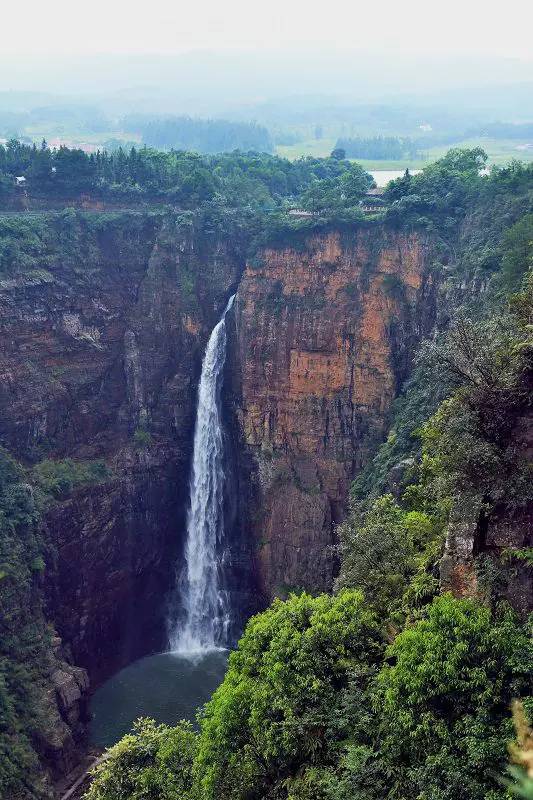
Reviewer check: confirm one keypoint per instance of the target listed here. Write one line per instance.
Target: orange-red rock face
(324, 337)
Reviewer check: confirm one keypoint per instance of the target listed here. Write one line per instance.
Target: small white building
(299, 212)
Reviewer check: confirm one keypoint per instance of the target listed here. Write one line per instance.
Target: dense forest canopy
(177, 177)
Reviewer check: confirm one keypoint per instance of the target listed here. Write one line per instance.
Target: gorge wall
(483, 539)
(103, 322)
(104, 332)
(101, 360)
(324, 337)
(103, 325)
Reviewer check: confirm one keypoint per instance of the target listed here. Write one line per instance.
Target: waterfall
(206, 618)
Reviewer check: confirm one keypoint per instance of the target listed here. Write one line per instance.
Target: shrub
(444, 700)
(383, 549)
(60, 477)
(280, 707)
(142, 438)
(154, 762)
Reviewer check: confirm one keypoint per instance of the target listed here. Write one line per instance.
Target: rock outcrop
(488, 547)
(325, 332)
(63, 713)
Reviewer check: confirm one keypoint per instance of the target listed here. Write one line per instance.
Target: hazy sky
(72, 27)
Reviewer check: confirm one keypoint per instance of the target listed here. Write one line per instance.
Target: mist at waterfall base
(172, 686)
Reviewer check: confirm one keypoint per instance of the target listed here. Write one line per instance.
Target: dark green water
(167, 687)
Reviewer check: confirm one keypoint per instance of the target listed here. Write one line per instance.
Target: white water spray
(205, 604)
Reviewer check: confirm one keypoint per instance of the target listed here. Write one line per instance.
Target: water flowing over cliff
(200, 589)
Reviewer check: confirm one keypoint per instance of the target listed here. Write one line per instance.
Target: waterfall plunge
(205, 604)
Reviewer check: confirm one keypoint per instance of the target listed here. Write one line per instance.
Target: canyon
(101, 358)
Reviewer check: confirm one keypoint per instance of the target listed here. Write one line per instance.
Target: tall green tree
(280, 709)
(444, 701)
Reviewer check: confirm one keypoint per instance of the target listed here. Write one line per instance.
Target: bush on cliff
(281, 708)
(59, 477)
(153, 762)
(389, 553)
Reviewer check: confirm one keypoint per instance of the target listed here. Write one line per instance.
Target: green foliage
(37, 244)
(422, 395)
(439, 196)
(23, 243)
(389, 554)
(61, 477)
(314, 708)
(22, 633)
(444, 701)
(142, 438)
(280, 707)
(469, 443)
(186, 179)
(518, 251)
(522, 785)
(336, 193)
(153, 762)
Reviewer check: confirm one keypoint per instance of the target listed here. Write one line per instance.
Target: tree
(353, 185)
(280, 707)
(518, 251)
(339, 154)
(154, 762)
(339, 192)
(444, 701)
(381, 551)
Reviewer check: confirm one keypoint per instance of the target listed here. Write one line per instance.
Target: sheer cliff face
(106, 342)
(324, 336)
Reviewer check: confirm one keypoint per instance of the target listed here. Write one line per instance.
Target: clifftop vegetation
(177, 177)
